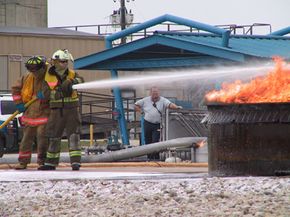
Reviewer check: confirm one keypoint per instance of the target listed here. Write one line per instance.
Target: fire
(201, 144)
(274, 87)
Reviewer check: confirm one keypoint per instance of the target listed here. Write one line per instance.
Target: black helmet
(35, 63)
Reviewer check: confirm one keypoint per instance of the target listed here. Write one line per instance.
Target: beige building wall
(25, 13)
(16, 49)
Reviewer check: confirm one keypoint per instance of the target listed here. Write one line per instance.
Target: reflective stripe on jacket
(56, 99)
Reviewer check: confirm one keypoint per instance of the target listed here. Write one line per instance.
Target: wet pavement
(106, 173)
(11, 175)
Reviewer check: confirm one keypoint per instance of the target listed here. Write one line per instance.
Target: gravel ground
(241, 196)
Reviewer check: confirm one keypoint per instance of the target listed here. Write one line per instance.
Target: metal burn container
(248, 139)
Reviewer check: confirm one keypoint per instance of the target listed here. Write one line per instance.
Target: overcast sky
(213, 12)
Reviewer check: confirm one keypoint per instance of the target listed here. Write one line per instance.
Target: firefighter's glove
(40, 95)
(20, 107)
(66, 88)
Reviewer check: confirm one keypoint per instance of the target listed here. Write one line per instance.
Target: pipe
(119, 105)
(170, 18)
(281, 32)
(142, 150)
(123, 154)
(91, 134)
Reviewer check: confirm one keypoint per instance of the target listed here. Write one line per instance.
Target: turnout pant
(60, 120)
(30, 136)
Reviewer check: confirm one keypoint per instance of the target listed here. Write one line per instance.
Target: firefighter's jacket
(59, 90)
(26, 88)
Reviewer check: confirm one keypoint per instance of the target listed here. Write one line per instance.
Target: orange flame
(274, 87)
(201, 143)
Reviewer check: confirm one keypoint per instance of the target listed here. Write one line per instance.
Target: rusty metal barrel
(248, 139)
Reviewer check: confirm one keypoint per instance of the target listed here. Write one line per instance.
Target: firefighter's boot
(40, 162)
(75, 151)
(46, 167)
(75, 166)
(21, 166)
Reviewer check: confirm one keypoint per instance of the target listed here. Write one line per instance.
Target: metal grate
(249, 113)
(183, 123)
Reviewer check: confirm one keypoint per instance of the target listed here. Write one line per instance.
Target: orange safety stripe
(34, 121)
(16, 97)
(52, 84)
(25, 154)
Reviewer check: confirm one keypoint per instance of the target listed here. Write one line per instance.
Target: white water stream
(159, 77)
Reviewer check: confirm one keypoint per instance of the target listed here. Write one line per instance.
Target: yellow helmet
(62, 55)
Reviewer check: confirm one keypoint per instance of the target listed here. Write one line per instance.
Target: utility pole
(123, 14)
(123, 17)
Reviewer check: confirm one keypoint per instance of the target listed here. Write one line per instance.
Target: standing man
(64, 115)
(36, 115)
(153, 107)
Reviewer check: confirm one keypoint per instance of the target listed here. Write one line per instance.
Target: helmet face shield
(62, 55)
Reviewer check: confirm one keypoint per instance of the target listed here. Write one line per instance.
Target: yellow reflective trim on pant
(75, 153)
(66, 99)
(52, 155)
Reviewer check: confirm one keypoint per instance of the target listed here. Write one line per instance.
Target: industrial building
(208, 47)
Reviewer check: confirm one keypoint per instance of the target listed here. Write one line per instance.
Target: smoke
(180, 75)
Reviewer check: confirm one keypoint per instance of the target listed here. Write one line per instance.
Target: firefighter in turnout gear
(36, 115)
(64, 115)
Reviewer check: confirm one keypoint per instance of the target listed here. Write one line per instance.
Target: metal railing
(183, 123)
(108, 29)
(99, 110)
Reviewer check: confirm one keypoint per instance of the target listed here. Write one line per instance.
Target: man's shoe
(75, 166)
(46, 167)
(20, 166)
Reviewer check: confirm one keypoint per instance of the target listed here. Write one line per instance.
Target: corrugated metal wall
(3, 72)
(30, 13)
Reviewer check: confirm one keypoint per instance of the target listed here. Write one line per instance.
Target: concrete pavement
(107, 172)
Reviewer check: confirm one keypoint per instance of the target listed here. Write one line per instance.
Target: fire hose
(17, 112)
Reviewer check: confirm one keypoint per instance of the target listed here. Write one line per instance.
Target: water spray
(174, 77)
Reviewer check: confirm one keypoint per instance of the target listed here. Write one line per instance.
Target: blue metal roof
(171, 49)
(158, 51)
(251, 45)
(177, 49)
